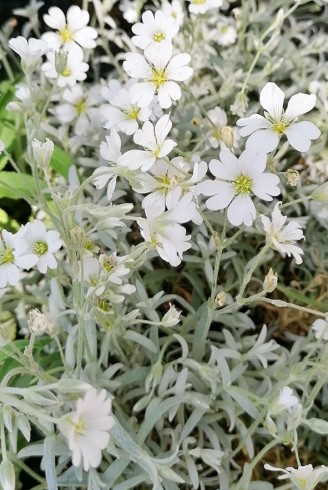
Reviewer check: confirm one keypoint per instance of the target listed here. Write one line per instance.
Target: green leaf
(298, 297)
(317, 425)
(61, 161)
(17, 186)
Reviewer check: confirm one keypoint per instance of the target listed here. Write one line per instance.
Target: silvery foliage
(191, 400)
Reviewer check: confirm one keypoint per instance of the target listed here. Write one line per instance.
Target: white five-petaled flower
(87, 428)
(75, 69)
(173, 9)
(285, 401)
(121, 113)
(160, 73)
(77, 107)
(42, 244)
(154, 29)
(167, 182)
(304, 477)
(226, 34)
(202, 6)
(13, 257)
(164, 232)
(236, 180)
(283, 237)
(155, 144)
(30, 51)
(320, 328)
(265, 132)
(70, 32)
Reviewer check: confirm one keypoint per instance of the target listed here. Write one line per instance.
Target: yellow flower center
(218, 134)
(109, 263)
(66, 72)
(66, 35)
(133, 113)
(156, 152)
(80, 426)
(159, 77)
(243, 184)
(224, 29)
(159, 36)
(103, 305)
(40, 248)
(279, 127)
(174, 15)
(198, 2)
(80, 106)
(7, 256)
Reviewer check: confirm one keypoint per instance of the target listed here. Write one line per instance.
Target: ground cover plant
(163, 251)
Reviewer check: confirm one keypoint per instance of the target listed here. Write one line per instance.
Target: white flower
(285, 401)
(169, 181)
(110, 150)
(171, 317)
(219, 117)
(174, 10)
(121, 113)
(41, 244)
(13, 257)
(30, 51)
(321, 329)
(202, 6)
(154, 29)
(304, 477)
(87, 428)
(282, 237)
(78, 107)
(236, 180)
(266, 131)
(130, 10)
(225, 34)
(114, 267)
(42, 152)
(165, 233)
(160, 72)
(71, 31)
(155, 144)
(40, 323)
(74, 71)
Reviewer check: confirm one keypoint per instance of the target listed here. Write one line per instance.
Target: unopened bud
(227, 136)
(78, 238)
(7, 475)
(221, 298)
(42, 152)
(270, 282)
(321, 193)
(292, 177)
(60, 61)
(172, 317)
(39, 323)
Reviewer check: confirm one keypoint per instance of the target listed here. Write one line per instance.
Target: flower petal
(272, 99)
(300, 135)
(299, 104)
(264, 140)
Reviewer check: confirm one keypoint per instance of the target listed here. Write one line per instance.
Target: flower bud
(292, 177)
(195, 121)
(39, 323)
(7, 475)
(172, 317)
(42, 152)
(78, 238)
(227, 136)
(60, 60)
(221, 298)
(270, 281)
(321, 193)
